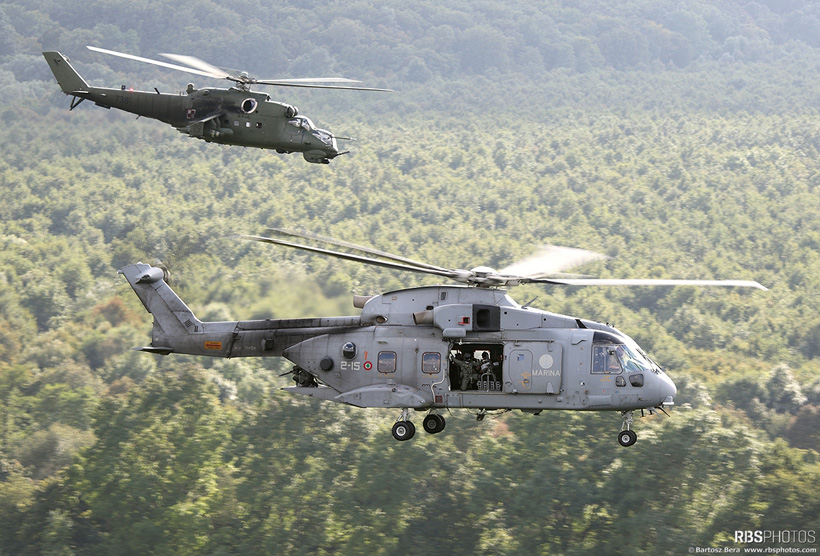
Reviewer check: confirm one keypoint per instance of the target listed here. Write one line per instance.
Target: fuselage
(451, 346)
(428, 347)
(227, 116)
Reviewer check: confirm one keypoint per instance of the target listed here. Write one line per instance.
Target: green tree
(151, 483)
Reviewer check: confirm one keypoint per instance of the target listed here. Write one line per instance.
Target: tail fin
(174, 322)
(70, 81)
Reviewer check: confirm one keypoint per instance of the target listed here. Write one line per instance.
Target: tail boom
(177, 330)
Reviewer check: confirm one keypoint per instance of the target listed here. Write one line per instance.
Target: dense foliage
(679, 138)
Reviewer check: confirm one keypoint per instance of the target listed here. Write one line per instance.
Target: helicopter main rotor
(242, 79)
(544, 267)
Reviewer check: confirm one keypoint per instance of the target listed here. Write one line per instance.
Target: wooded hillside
(681, 139)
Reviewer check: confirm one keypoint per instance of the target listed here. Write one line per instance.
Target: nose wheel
(627, 437)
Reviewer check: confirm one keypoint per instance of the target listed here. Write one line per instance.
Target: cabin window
(431, 363)
(387, 362)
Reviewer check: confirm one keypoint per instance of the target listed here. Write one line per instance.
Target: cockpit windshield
(613, 355)
(324, 136)
(303, 122)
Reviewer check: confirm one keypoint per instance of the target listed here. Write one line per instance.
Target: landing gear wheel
(627, 438)
(433, 423)
(403, 430)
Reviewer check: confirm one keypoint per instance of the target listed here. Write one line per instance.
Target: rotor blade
(313, 82)
(293, 83)
(363, 249)
(349, 256)
(196, 63)
(645, 282)
(200, 67)
(310, 80)
(150, 61)
(549, 260)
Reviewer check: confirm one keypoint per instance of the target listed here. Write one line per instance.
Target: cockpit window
(303, 122)
(605, 360)
(632, 360)
(616, 358)
(323, 136)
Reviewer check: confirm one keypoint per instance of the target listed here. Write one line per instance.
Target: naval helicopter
(436, 348)
(234, 116)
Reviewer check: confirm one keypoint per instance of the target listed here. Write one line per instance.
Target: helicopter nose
(666, 390)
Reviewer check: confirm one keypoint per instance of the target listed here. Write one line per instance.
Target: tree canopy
(680, 139)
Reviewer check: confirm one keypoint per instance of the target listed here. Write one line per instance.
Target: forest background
(680, 138)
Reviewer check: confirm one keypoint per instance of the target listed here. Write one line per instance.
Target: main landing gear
(627, 436)
(404, 429)
(434, 423)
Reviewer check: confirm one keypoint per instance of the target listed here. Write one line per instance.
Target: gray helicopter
(435, 348)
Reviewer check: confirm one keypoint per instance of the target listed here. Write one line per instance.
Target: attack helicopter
(436, 348)
(234, 116)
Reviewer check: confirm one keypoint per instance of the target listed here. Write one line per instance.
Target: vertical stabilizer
(69, 80)
(174, 322)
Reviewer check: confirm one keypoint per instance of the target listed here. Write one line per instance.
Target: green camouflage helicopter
(234, 116)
